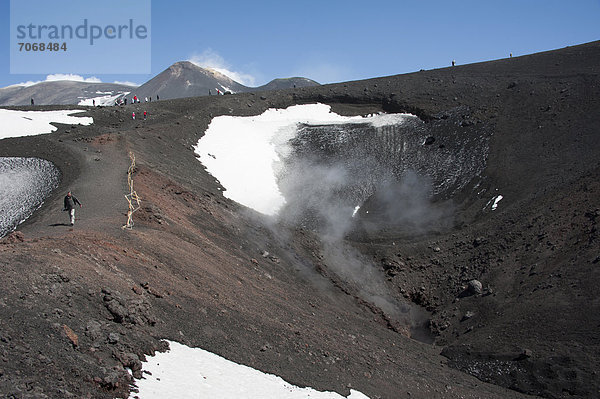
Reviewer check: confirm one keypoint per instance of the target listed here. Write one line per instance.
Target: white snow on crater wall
(24, 185)
(244, 153)
(186, 373)
(31, 123)
(105, 101)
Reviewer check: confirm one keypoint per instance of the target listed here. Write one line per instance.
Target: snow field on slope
(245, 153)
(186, 373)
(32, 123)
(104, 101)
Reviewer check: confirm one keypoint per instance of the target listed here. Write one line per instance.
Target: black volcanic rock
(287, 83)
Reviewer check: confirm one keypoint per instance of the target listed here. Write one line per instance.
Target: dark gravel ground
(77, 305)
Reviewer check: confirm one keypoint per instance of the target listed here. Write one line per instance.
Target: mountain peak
(186, 79)
(181, 79)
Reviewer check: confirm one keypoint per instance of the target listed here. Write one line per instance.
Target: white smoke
(320, 168)
(212, 60)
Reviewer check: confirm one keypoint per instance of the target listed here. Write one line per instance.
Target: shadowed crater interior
(383, 175)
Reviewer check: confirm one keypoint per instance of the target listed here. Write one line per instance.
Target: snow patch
(184, 372)
(496, 200)
(245, 153)
(225, 89)
(105, 101)
(31, 123)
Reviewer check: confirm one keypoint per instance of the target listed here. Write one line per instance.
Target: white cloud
(24, 84)
(60, 76)
(210, 59)
(75, 78)
(126, 83)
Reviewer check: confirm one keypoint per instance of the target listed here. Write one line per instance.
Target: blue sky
(333, 41)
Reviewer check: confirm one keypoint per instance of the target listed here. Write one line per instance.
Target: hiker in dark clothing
(70, 202)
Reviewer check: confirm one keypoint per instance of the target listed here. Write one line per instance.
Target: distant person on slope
(32, 101)
(70, 202)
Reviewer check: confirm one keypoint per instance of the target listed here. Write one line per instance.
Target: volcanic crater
(477, 219)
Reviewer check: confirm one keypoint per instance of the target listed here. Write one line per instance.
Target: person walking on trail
(70, 202)
(133, 115)
(145, 113)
